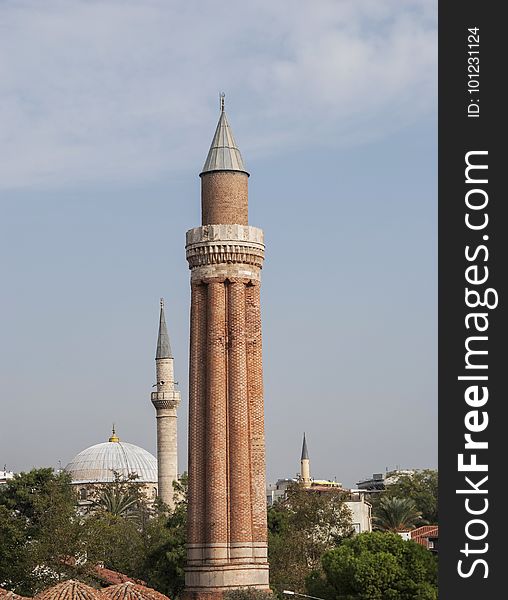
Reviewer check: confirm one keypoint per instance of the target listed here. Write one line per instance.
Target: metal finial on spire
(114, 437)
(222, 95)
(162, 302)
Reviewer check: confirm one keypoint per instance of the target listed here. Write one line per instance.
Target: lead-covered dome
(99, 463)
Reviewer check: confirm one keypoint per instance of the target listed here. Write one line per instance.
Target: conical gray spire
(305, 452)
(224, 154)
(163, 346)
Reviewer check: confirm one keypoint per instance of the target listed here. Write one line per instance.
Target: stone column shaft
(305, 472)
(166, 400)
(167, 454)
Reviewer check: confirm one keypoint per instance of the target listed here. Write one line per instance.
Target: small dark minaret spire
(222, 95)
(305, 465)
(163, 345)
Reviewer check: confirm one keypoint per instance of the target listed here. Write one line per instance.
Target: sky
(107, 112)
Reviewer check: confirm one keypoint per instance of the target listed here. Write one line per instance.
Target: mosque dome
(98, 464)
(70, 590)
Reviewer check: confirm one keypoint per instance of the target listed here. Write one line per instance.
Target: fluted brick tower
(227, 535)
(166, 400)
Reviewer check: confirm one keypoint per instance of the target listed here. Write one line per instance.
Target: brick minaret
(166, 400)
(227, 537)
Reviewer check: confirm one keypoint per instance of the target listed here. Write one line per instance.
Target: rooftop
(99, 463)
(224, 154)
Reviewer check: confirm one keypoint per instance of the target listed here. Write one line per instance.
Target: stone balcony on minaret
(225, 251)
(166, 399)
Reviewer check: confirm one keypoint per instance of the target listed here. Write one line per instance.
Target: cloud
(107, 90)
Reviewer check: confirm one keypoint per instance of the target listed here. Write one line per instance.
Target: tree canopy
(44, 538)
(302, 527)
(39, 526)
(422, 488)
(396, 514)
(376, 566)
(164, 563)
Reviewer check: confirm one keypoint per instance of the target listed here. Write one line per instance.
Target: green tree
(163, 568)
(27, 493)
(422, 488)
(115, 526)
(376, 566)
(114, 541)
(37, 511)
(396, 514)
(44, 537)
(301, 528)
(248, 594)
(14, 558)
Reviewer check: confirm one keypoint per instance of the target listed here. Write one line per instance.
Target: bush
(376, 566)
(248, 594)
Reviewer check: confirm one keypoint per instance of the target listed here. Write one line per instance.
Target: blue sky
(108, 111)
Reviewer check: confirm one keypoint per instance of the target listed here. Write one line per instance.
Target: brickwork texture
(227, 535)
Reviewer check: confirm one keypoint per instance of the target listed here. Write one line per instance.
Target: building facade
(227, 532)
(380, 481)
(6, 476)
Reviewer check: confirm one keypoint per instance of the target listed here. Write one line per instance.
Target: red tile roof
(132, 591)
(421, 535)
(70, 590)
(114, 577)
(7, 595)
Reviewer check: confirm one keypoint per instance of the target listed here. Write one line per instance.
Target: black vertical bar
(472, 121)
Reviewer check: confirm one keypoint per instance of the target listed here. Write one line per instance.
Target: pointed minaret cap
(224, 154)
(163, 346)
(305, 452)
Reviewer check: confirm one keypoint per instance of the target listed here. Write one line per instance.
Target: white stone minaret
(166, 400)
(305, 465)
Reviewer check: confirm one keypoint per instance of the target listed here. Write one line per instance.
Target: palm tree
(118, 502)
(122, 497)
(396, 514)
